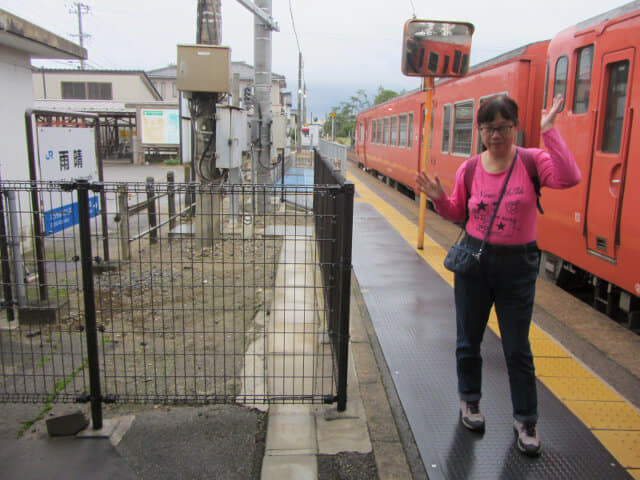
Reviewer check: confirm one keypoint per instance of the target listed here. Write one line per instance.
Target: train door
(606, 184)
(365, 130)
(359, 143)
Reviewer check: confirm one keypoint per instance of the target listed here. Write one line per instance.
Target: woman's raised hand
(432, 188)
(547, 118)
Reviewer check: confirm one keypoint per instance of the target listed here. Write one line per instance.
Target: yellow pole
(428, 105)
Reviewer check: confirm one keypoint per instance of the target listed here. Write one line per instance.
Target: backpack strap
(529, 164)
(469, 172)
(532, 170)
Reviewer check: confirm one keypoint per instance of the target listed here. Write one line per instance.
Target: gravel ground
(347, 466)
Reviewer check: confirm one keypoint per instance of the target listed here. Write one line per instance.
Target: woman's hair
(502, 104)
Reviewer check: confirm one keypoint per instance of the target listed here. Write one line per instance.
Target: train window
(618, 74)
(372, 132)
(393, 134)
(446, 128)
(379, 134)
(462, 127)
(560, 82)
(583, 80)
(361, 133)
(385, 132)
(410, 130)
(402, 130)
(546, 86)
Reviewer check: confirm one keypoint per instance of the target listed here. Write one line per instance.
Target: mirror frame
(460, 56)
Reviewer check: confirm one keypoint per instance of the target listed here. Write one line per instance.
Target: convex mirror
(433, 48)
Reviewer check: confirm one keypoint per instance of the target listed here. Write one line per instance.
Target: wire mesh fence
(197, 293)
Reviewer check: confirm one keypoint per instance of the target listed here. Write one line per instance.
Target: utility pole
(304, 103)
(209, 32)
(209, 22)
(299, 116)
(333, 116)
(262, 66)
(80, 8)
(203, 117)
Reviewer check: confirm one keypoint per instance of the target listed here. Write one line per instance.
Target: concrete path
(296, 434)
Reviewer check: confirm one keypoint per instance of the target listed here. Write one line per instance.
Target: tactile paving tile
(412, 311)
(607, 415)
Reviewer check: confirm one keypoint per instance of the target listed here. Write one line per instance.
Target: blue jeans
(509, 282)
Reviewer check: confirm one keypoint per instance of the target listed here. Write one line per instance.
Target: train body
(591, 229)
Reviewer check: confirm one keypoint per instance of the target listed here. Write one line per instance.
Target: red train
(589, 232)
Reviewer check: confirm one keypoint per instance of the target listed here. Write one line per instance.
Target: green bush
(171, 161)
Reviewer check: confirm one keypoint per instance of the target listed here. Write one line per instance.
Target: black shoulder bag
(462, 259)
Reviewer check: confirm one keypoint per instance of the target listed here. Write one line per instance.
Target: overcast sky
(346, 44)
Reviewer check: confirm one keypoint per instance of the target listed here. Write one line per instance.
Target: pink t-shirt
(516, 221)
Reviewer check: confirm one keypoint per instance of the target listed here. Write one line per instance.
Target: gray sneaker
(527, 438)
(471, 417)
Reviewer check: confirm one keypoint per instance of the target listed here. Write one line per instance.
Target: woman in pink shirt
(510, 257)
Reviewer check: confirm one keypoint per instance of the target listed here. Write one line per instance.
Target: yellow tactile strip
(614, 421)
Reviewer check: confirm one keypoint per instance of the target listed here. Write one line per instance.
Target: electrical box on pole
(203, 72)
(204, 68)
(279, 132)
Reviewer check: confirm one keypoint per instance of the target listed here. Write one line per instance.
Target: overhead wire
(293, 24)
(413, 7)
(295, 33)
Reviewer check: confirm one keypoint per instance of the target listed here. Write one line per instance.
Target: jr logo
(49, 155)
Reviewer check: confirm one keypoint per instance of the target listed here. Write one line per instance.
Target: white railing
(335, 152)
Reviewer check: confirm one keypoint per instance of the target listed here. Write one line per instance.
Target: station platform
(409, 298)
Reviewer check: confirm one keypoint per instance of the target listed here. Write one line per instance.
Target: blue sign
(59, 218)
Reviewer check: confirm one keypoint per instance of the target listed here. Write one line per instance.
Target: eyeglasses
(502, 130)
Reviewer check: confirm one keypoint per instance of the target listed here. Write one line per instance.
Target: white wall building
(93, 86)
(20, 41)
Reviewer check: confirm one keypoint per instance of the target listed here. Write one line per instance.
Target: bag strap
(529, 163)
(495, 211)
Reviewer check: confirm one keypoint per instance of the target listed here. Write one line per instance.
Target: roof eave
(21, 35)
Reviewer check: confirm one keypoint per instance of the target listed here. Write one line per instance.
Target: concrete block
(38, 313)
(281, 467)
(291, 431)
(67, 424)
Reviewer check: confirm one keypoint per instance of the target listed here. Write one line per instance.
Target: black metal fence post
(151, 208)
(103, 198)
(38, 234)
(89, 303)
(171, 198)
(4, 261)
(344, 241)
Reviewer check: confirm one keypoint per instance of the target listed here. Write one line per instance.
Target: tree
(344, 122)
(384, 95)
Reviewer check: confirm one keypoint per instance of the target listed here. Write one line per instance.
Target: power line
(293, 24)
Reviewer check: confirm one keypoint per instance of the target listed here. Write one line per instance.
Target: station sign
(66, 154)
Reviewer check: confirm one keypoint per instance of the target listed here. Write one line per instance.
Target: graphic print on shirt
(506, 223)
